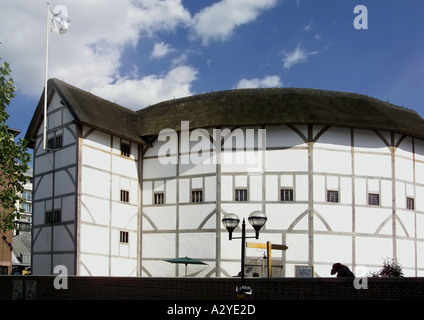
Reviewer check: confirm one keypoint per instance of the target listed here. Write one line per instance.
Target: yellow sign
(268, 246)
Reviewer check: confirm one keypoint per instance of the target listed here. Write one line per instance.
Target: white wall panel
(372, 250)
(226, 188)
(286, 160)
(277, 137)
(94, 210)
(198, 245)
(332, 248)
(369, 219)
(96, 158)
(95, 182)
(282, 216)
(193, 216)
(155, 168)
(255, 189)
(271, 185)
(338, 218)
(163, 217)
(159, 245)
(210, 188)
(94, 239)
(94, 265)
(184, 190)
(374, 165)
(97, 139)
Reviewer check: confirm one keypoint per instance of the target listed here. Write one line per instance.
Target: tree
(391, 269)
(14, 158)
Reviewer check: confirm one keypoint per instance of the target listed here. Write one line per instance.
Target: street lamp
(257, 219)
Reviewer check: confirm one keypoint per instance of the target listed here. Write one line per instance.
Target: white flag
(59, 22)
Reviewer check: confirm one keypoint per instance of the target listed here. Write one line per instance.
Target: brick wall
(117, 288)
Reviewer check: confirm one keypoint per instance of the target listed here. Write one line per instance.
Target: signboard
(304, 271)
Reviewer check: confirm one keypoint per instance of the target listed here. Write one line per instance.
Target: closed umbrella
(186, 261)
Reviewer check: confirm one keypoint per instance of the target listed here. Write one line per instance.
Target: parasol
(186, 261)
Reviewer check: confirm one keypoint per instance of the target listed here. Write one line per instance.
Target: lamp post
(257, 219)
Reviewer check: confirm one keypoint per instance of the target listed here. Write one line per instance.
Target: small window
(27, 195)
(53, 216)
(125, 149)
(286, 195)
(159, 198)
(123, 236)
(410, 203)
(197, 196)
(26, 207)
(58, 142)
(125, 196)
(54, 143)
(332, 196)
(240, 195)
(373, 199)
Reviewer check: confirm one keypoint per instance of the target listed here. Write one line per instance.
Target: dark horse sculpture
(341, 270)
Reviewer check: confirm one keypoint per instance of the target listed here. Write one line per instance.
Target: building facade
(340, 177)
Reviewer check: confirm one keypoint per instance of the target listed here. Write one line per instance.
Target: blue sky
(142, 52)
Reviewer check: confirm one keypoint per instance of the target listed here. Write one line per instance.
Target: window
(26, 207)
(125, 196)
(54, 143)
(125, 149)
(53, 216)
(332, 196)
(410, 203)
(123, 236)
(159, 198)
(196, 196)
(26, 195)
(286, 195)
(373, 199)
(240, 195)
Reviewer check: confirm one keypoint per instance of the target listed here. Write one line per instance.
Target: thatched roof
(234, 108)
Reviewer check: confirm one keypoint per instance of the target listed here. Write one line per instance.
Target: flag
(59, 22)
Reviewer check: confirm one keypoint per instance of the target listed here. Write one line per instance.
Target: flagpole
(46, 78)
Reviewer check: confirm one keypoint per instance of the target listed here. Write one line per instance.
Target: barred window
(123, 236)
(240, 195)
(125, 149)
(286, 195)
(159, 198)
(410, 203)
(53, 216)
(54, 143)
(332, 196)
(373, 199)
(125, 196)
(197, 196)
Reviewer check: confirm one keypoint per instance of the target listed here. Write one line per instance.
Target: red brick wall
(5, 250)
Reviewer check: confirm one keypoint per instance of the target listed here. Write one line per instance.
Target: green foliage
(14, 157)
(390, 269)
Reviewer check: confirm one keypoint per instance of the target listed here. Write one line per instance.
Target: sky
(140, 52)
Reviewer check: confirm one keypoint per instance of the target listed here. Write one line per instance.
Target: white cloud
(298, 55)
(136, 94)
(89, 54)
(266, 82)
(218, 21)
(160, 50)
